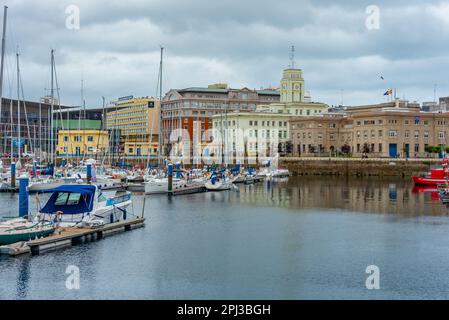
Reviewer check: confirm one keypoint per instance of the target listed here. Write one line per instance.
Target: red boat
(435, 177)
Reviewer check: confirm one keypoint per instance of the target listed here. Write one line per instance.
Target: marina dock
(67, 237)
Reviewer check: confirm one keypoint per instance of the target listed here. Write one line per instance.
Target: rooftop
(219, 90)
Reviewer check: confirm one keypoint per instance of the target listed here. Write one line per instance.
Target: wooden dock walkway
(67, 237)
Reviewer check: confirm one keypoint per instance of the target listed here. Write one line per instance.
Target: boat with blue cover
(84, 205)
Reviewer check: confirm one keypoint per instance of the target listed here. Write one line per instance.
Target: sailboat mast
(5, 15)
(160, 109)
(18, 110)
(52, 107)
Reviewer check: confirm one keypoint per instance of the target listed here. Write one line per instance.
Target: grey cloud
(244, 43)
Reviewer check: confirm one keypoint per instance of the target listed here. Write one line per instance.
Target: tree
(345, 149)
(366, 148)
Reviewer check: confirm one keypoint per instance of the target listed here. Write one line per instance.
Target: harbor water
(298, 238)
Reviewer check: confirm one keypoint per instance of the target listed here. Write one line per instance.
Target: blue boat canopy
(70, 199)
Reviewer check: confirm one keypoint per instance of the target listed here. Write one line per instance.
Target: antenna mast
(292, 57)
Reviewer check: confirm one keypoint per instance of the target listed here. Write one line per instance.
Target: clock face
(296, 87)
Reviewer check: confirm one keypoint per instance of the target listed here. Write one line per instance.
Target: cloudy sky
(239, 42)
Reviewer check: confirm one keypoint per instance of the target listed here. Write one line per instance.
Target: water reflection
(23, 278)
(374, 195)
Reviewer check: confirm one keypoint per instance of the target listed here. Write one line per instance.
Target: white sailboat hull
(218, 186)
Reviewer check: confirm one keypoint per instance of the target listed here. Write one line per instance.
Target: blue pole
(170, 178)
(34, 168)
(178, 170)
(23, 196)
(13, 175)
(237, 166)
(89, 173)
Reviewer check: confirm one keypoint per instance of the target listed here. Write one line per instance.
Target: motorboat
(280, 173)
(84, 205)
(159, 185)
(240, 178)
(433, 178)
(42, 184)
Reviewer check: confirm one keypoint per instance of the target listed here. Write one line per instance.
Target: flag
(389, 92)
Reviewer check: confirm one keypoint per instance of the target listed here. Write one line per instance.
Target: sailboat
(20, 229)
(216, 184)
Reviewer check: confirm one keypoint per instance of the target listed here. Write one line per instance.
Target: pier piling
(89, 173)
(170, 178)
(23, 196)
(13, 175)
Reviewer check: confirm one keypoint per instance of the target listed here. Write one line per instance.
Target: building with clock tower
(292, 86)
(295, 100)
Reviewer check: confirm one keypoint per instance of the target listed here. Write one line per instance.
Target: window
(380, 147)
(406, 134)
(66, 138)
(380, 133)
(90, 149)
(90, 138)
(250, 123)
(416, 147)
(67, 199)
(416, 134)
(426, 134)
(392, 133)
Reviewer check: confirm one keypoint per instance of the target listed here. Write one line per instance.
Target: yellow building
(137, 121)
(84, 142)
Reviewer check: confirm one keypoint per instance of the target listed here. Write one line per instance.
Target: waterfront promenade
(357, 166)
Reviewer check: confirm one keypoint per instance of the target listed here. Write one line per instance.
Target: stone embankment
(357, 166)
